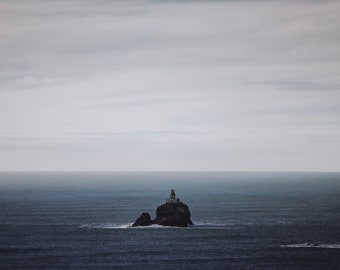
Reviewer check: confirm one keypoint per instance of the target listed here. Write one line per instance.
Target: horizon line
(166, 171)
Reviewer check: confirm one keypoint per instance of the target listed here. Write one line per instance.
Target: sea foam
(312, 245)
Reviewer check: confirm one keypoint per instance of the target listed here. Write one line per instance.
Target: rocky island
(172, 213)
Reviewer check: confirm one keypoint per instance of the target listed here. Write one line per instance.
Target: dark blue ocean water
(242, 221)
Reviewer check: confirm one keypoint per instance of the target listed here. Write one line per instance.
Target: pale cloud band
(169, 85)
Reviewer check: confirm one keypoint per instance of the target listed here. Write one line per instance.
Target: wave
(105, 226)
(196, 225)
(120, 226)
(312, 245)
(211, 225)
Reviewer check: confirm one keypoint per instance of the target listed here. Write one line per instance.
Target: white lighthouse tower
(173, 198)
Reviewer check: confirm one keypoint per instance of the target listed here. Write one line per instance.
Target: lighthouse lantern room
(173, 198)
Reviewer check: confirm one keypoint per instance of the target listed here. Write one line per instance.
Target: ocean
(82, 220)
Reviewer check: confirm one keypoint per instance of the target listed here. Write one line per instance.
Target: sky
(154, 85)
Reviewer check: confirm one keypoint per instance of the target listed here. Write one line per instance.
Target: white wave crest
(196, 225)
(210, 225)
(106, 226)
(312, 245)
(120, 226)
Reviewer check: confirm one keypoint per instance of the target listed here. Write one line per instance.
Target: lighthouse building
(173, 198)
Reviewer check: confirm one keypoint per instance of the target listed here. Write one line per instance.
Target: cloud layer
(169, 85)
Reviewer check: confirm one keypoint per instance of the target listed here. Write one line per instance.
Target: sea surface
(82, 220)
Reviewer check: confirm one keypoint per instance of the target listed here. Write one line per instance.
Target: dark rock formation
(172, 213)
(143, 220)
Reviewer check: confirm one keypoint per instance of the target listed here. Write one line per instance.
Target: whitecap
(210, 225)
(105, 226)
(154, 226)
(312, 245)
(120, 226)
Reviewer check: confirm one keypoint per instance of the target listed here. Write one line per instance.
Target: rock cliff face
(172, 213)
(143, 220)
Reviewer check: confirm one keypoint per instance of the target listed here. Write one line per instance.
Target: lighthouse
(173, 198)
(171, 213)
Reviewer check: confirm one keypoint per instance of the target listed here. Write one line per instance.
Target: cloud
(178, 84)
(52, 39)
(295, 85)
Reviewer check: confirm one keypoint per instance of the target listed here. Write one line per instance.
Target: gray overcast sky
(170, 85)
